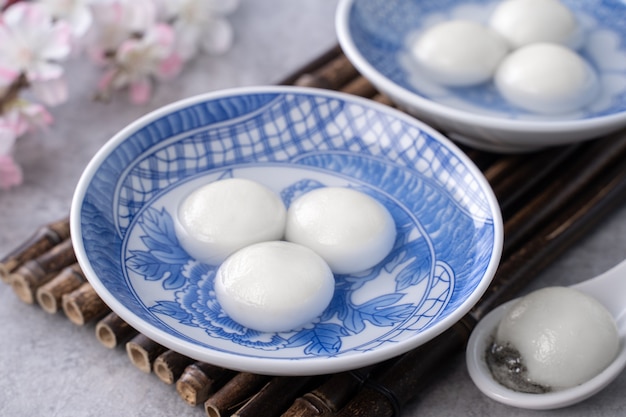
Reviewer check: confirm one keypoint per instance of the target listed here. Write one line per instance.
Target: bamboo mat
(549, 200)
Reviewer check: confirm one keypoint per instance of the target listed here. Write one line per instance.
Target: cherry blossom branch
(137, 43)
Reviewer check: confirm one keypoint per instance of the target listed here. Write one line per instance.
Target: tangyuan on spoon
(609, 289)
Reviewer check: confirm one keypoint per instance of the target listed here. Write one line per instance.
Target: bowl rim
(433, 108)
(314, 366)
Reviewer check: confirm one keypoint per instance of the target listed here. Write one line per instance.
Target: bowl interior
(292, 140)
(379, 33)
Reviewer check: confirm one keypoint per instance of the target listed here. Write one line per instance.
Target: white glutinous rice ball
(522, 22)
(349, 229)
(547, 78)
(564, 337)
(459, 52)
(274, 286)
(219, 218)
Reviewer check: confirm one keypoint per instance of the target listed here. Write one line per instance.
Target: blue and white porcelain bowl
(291, 140)
(375, 35)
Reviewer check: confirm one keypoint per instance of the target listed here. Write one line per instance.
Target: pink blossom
(4, 3)
(76, 13)
(10, 172)
(50, 92)
(12, 126)
(7, 77)
(115, 21)
(32, 43)
(140, 91)
(34, 116)
(19, 120)
(196, 9)
(138, 60)
(217, 36)
(200, 25)
(7, 139)
(7, 3)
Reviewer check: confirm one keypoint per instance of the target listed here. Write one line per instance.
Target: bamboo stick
(83, 305)
(385, 395)
(317, 63)
(595, 201)
(112, 331)
(50, 294)
(483, 160)
(142, 352)
(592, 159)
(383, 99)
(332, 395)
(519, 178)
(360, 86)
(36, 272)
(331, 76)
(199, 380)
(236, 392)
(44, 239)
(169, 366)
(277, 395)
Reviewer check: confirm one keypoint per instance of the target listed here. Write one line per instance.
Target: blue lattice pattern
(287, 127)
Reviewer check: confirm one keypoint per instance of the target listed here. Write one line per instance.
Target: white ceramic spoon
(610, 289)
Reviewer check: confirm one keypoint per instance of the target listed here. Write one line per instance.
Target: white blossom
(200, 25)
(77, 13)
(115, 21)
(32, 43)
(138, 60)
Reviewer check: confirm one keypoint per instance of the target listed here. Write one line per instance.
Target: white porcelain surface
(608, 288)
(375, 35)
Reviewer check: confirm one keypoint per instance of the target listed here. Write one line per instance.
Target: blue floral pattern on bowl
(292, 140)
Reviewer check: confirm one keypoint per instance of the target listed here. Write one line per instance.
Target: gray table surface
(48, 366)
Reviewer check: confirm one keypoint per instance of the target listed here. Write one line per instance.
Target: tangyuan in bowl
(292, 140)
(379, 38)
